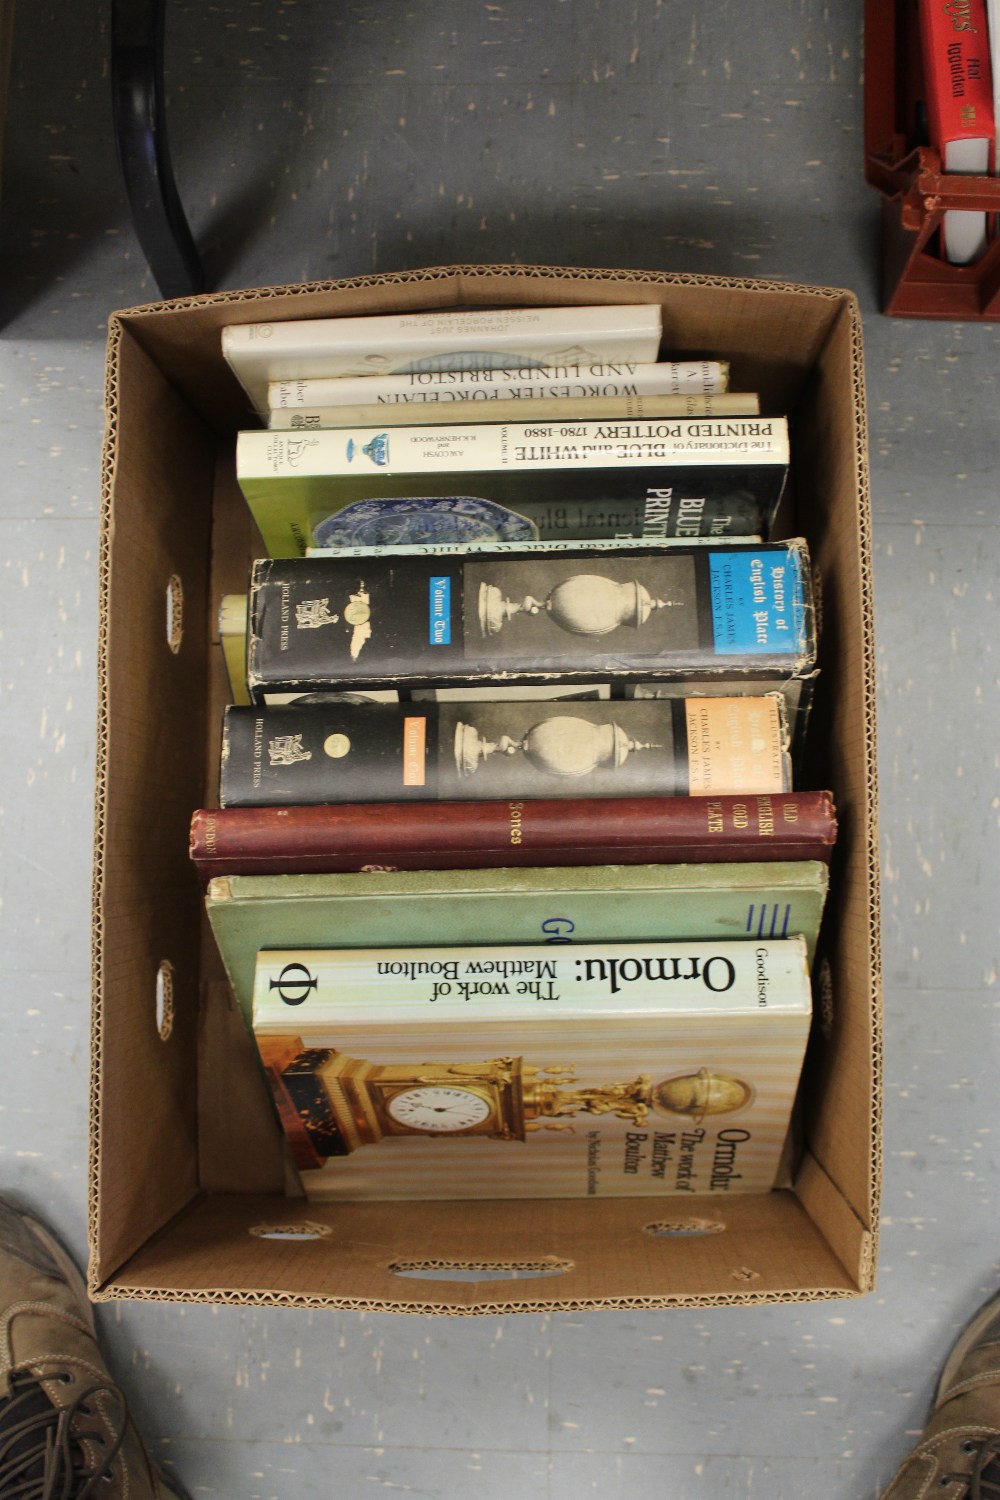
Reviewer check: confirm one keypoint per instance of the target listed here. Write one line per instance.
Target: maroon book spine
(477, 835)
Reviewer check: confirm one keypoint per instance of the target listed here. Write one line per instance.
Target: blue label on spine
(440, 600)
(757, 603)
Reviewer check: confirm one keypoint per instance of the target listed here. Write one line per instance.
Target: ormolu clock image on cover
(347, 1102)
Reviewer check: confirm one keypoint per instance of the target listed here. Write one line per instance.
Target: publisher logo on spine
(294, 984)
(377, 449)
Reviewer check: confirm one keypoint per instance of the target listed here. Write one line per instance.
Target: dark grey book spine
(739, 612)
(705, 500)
(329, 752)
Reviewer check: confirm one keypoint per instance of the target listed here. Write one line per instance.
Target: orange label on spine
(414, 751)
(735, 745)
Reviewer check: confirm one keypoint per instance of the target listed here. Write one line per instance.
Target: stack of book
(511, 685)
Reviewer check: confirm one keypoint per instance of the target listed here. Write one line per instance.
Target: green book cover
(514, 481)
(428, 908)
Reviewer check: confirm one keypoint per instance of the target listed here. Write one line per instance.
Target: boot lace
(984, 1481)
(42, 1453)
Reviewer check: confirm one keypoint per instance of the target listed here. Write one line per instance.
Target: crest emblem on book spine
(286, 749)
(310, 614)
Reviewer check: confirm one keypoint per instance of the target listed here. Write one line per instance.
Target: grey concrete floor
(315, 140)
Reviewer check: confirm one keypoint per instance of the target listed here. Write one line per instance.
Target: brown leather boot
(958, 1457)
(65, 1432)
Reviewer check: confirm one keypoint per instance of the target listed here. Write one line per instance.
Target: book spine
(506, 338)
(639, 505)
(513, 447)
(993, 33)
(233, 639)
(572, 382)
(384, 343)
(331, 751)
(957, 75)
(484, 835)
(959, 97)
(715, 476)
(498, 549)
(616, 408)
(306, 990)
(528, 618)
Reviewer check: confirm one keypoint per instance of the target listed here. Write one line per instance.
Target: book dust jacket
(724, 612)
(331, 750)
(680, 477)
(620, 1070)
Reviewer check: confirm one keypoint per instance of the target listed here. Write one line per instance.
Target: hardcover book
(383, 537)
(475, 835)
(993, 37)
(703, 476)
(380, 532)
(405, 343)
(959, 96)
(233, 639)
(619, 1070)
(797, 693)
(724, 613)
(543, 409)
(568, 382)
(342, 751)
(382, 526)
(588, 904)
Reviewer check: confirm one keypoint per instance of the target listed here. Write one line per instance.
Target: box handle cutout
(684, 1228)
(165, 999)
(175, 613)
(473, 1270)
(307, 1230)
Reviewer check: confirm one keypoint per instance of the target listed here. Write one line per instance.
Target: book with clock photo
(613, 1070)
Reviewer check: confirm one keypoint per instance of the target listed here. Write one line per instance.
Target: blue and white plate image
(419, 521)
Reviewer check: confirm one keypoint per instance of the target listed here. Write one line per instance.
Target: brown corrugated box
(187, 1166)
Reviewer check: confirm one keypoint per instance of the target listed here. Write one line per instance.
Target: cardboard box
(187, 1164)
